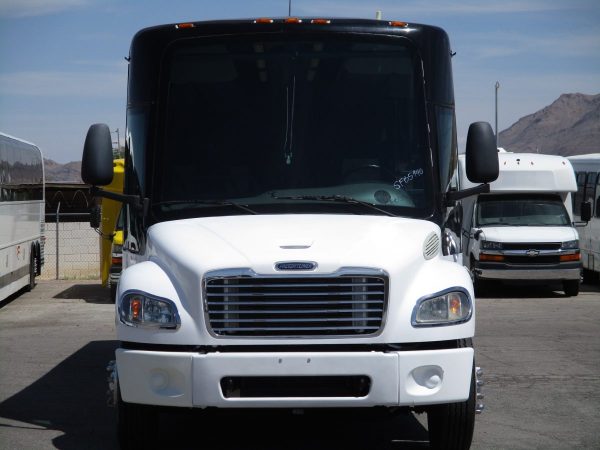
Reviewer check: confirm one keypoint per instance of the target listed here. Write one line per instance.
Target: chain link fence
(77, 255)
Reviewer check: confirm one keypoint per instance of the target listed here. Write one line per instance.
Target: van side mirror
(481, 153)
(97, 161)
(586, 211)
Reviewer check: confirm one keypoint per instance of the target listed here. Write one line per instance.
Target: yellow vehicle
(110, 213)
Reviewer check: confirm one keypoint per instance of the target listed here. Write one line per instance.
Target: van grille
(254, 306)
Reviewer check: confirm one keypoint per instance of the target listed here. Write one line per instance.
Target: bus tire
(32, 269)
(136, 425)
(571, 288)
(451, 425)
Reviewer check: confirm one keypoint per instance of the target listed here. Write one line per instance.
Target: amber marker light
(263, 20)
(183, 26)
(486, 257)
(454, 306)
(321, 21)
(292, 20)
(571, 257)
(399, 24)
(136, 308)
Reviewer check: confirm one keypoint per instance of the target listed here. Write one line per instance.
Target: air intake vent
(431, 246)
(348, 304)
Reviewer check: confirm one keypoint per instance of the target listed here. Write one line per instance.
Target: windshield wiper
(207, 202)
(334, 198)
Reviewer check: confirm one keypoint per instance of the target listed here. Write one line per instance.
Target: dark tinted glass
(521, 211)
(254, 120)
(21, 171)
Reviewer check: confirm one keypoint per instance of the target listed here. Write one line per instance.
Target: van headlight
(449, 307)
(139, 309)
(570, 245)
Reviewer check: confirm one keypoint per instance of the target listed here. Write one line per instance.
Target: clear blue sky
(62, 62)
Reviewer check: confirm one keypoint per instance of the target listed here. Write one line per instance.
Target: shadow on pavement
(496, 289)
(71, 398)
(90, 293)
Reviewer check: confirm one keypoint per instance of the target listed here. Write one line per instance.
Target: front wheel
(451, 425)
(32, 270)
(137, 425)
(571, 288)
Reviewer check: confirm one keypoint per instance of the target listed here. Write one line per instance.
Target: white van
(523, 229)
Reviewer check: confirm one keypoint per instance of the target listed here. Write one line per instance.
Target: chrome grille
(339, 305)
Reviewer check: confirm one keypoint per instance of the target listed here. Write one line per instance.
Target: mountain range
(568, 126)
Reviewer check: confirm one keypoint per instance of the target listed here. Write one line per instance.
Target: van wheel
(113, 292)
(32, 270)
(479, 285)
(571, 287)
(137, 425)
(451, 425)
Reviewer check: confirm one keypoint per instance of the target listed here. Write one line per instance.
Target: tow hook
(479, 406)
(113, 384)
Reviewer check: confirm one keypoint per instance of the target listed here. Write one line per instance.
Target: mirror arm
(451, 197)
(134, 200)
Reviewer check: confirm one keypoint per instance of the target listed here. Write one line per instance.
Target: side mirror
(481, 153)
(97, 161)
(586, 211)
(95, 216)
(477, 234)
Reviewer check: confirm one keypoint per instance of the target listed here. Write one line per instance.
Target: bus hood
(197, 246)
(529, 234)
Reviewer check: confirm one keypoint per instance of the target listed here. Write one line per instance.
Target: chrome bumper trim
(529, 274)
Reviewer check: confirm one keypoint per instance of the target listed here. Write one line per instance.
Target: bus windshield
(283, 124)
(519, 210)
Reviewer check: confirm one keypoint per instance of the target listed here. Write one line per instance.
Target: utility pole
(289, 8)
(497, 87)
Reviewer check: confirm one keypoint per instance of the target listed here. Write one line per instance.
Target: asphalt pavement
(540, 352)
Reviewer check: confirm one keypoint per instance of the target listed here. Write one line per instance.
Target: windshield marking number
(401, 182)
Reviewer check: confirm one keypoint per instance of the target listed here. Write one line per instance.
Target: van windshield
(285, 124)
(521, 210)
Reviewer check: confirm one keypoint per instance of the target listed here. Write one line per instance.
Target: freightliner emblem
(295, 265)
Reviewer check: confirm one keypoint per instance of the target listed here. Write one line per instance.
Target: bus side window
(579, 195)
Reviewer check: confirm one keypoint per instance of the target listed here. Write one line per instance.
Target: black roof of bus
(148, 46)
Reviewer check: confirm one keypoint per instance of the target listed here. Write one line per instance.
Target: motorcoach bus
(21, 214)
(587, 173)
(290, 230)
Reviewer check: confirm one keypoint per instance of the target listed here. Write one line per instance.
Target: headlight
(139, 309)
(490, 245)
(570, 245)
(450, 307)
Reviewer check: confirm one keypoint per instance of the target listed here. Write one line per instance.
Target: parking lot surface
(540, 352)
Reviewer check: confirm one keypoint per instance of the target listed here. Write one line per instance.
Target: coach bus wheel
(32, 269)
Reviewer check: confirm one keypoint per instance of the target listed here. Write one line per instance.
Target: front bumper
(501, 271)
(400, 378)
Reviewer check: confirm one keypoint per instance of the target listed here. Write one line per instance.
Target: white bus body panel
(180, 253)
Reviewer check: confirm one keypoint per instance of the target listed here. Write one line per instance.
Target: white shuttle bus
(523, 228)
(22, 210)
(587, 173)
(290, 230)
